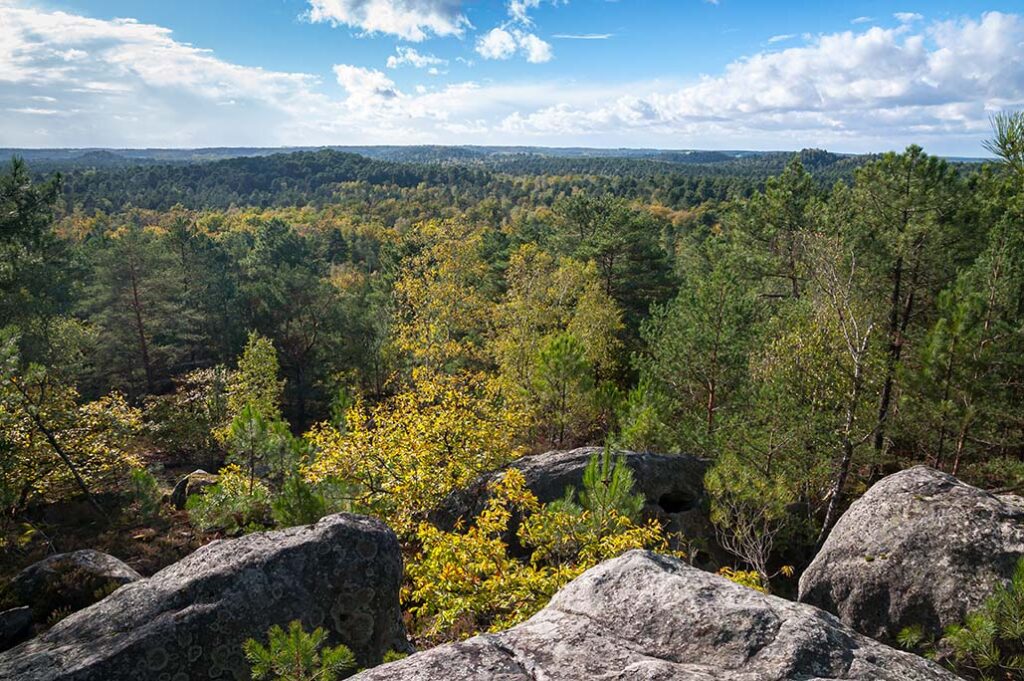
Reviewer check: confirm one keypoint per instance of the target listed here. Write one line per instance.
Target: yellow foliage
(441, 312)
(408, 452)
(96, 437)
(547, 296)
(748, 578)
(468, 577)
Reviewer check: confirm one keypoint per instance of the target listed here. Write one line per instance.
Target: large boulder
(190, 619)
(673, 486)
(190, 485)
(647, 617)
(63, 583)
(15, 626)
(919, 548)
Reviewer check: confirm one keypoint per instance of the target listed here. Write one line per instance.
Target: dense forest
(333, 332)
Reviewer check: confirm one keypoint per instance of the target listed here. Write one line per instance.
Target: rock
(190, 619)
(647, 617)
(673, 486)
(15, 626)
(66, 582)
(920, 547)
(192, 484)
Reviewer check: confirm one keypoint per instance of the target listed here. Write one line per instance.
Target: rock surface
(15, 626)
(673, 486)
(920, 547)
(190, 485)
(648, 617)
(190, 619)
(66, 582)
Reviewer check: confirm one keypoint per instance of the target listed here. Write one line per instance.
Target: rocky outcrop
(673, 486)
(66, 582)
(189, 620)
(920, 547)
(15, 626)
(190, 485)
(647, 617)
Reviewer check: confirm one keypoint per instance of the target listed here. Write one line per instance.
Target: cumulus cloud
(879, 83)
(500, 43)
(412, 20)
(68, 80)
(496, 44)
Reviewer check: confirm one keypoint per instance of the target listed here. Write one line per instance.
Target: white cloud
(496, 44)
(409, 56)
(907, 17)
(939, 83)
(364, 83)
(537, 51)
(519, 9)
(862, 20)
(132, 84)
(583, 36)
(411, 20)
(781, 38)
(500, 43)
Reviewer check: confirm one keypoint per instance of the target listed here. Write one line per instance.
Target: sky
(856, 76)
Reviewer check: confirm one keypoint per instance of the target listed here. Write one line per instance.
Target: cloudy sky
(862, 75)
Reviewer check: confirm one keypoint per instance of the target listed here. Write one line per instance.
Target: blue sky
(855, 76)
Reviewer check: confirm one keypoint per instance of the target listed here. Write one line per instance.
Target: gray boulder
(190, 619)
(647, 617)
(190, 485)
(920, 547)
(15, 626)
(673, 486)
(66, 582)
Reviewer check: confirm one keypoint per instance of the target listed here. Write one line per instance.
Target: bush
(298, 503)
(295, 655)
(749, 512)
(468, 579)
(234, 505)
(145, 492)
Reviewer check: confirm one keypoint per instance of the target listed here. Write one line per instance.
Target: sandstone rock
(193, 483)
(15, 626)
(189, 620)
(648, 617)
(673, 486)
(66, 582)
(920, 547)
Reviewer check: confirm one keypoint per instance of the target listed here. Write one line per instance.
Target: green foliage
(186, 420)
(990, 642)
(749, 510)
(254, 385)
(145, 492)
(564, 385)
(295, 655)
(298, 503)
(468, 580)
(988, 645)
(234, 505)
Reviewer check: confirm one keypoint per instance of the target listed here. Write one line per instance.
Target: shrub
(295, 655)
(232, 505)
(145, 492)
(298, 503)
(469, 579)
(749, 512)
